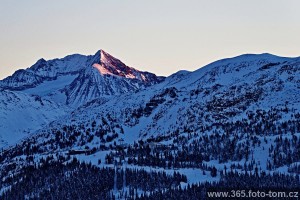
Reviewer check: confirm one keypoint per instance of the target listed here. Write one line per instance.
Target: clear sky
(160, 36)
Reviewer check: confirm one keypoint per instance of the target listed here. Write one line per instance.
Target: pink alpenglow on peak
(102, 69)
(109, 65)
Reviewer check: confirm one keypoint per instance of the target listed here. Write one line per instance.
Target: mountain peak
(40, 63)
(106, 64)
(107, 58)
(102, 56)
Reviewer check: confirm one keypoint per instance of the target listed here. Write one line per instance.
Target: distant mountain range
(240, 113)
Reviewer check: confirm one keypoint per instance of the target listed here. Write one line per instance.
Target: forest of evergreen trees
(75, 180)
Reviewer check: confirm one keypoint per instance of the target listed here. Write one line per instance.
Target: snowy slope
(21, 114)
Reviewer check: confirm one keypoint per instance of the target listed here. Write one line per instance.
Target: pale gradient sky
(160, 36)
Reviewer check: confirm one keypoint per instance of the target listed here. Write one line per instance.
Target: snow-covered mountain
(222, 92)
(239, 97)
(77, 79)
(107, 76)
(241, 113)
(62, 85)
